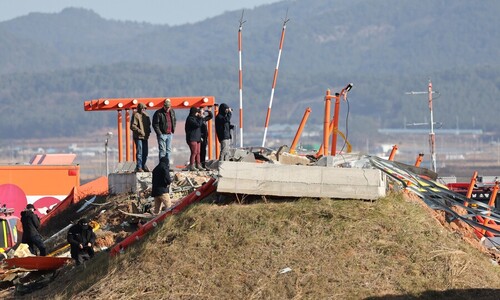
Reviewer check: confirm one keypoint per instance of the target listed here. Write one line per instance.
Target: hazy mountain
(385, 47)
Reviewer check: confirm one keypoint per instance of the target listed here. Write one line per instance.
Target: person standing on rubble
(164, 126)
(31, 236)
(192, 127)
(206, 115)
(141, 129)
(223, 128)
(81, 238)
(161, 182)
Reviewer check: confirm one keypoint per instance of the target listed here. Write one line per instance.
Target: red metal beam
(103, 104)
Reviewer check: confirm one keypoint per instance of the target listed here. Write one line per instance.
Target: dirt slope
(306, 249)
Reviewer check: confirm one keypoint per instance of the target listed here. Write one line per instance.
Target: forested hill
(385, 47)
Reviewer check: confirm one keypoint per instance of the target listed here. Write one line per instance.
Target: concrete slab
(300, 181)
(125, 183)
(286, 158)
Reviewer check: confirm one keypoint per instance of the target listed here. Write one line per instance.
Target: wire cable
(346, 126)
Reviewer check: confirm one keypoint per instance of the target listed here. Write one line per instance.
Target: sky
(171, 12)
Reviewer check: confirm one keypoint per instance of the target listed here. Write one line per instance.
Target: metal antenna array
(432, 137)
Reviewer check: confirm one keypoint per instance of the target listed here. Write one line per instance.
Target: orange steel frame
(471, 187)
(335, 120)
(393, 152)
(299, 130)
(491, 203)
(420, 157)
(331, 127)
(418, 161)
(127, 104)
(326, 123)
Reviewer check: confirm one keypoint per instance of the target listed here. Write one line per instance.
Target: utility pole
(241, 78)
(432, 137)
(108, 136)
(268, 116)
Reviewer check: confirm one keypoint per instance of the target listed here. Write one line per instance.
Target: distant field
(457, 156)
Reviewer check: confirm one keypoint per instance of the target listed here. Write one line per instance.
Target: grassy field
(291, 249)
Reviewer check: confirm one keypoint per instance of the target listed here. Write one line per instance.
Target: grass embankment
(336, 249)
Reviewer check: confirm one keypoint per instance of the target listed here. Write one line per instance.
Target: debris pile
(113, 219)
(119, 218)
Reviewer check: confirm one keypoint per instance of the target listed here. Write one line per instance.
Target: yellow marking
(349, 147)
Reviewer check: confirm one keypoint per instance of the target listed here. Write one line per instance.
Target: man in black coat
(164, 122)
(223, 128)
(161, 182)
(206, 115)
(82, 239)
(31, 236)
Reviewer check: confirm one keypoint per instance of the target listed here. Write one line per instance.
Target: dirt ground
(465, 231)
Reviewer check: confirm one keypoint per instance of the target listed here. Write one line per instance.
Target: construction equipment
(8, 230)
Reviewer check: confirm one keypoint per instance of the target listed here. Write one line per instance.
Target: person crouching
(82, 239)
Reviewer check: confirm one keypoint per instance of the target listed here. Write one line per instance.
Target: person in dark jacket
(81, 239)
(164, 125)
(31, 236)
(206, 116)
(141, 129)
(223, 128)
(161, 182)
(193, 125)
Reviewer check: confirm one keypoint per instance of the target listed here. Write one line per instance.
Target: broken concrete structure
(125, 183)
(300, 181)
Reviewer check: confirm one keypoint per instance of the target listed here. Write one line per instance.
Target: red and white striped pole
(241, 79)
(432, 136)
(274, 82)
